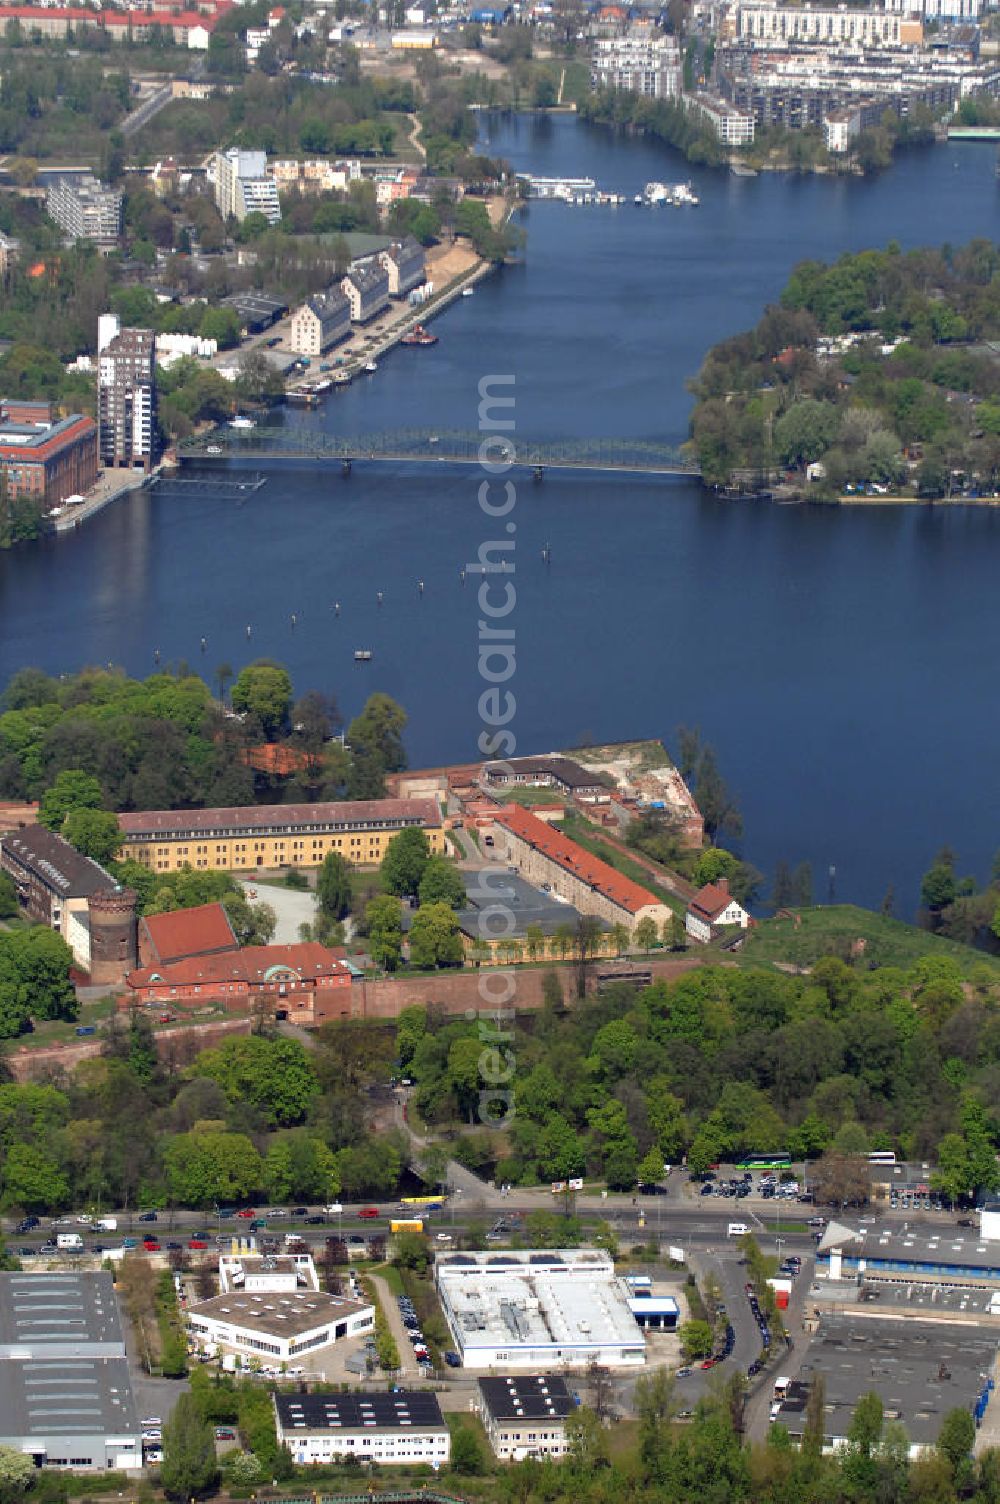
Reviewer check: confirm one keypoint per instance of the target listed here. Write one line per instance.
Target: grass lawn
(56, 1031)
(581, 831)
(576, 84)
(392, 1277)
(530, 796)
(831, 930)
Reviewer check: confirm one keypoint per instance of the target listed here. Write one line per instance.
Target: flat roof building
(246, 837)
(45, 457)
(537, 1308)
(279, 1325)
(524, 1415)
(126, 394)
(243, 185)
(84, 209)
(65, 1393)
(402, 1427)
(880, 1252)
(919, 1369)
(56, 1315)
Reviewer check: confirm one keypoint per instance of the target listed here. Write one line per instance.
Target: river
(833, 658)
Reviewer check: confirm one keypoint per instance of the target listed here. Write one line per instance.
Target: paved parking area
(291, 906)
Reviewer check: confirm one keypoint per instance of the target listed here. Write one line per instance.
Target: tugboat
(418, 335)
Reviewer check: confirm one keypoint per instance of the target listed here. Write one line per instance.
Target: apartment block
(85, 210)
(126, 395)
(243, 185)
(640, 62)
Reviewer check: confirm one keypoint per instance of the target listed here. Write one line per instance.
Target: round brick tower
(113, 935)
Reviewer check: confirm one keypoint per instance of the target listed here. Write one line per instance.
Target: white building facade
(387, 1429)
(538, 1309)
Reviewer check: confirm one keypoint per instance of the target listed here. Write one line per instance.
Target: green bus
(764, 1162)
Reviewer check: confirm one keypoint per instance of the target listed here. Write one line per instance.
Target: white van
(737, 1230)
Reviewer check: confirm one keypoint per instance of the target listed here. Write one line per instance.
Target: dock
(215, 484)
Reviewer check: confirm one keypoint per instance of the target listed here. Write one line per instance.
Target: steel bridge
(445, 447)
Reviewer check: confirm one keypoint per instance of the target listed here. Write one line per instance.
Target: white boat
(371, 367)
(242, 422)
(656, 193)
(213, 449)
(468, 292)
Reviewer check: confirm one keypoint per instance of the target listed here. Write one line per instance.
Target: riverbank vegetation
(872, 373)
(165, 742)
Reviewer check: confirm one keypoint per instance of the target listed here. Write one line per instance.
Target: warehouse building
(525, 1415)
(534, 1309)
(404, 263)
(376, 1428)
(65, 1394)
(919, 1369)
(274, 835)
(366, 288)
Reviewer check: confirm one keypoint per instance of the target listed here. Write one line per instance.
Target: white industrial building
(538, 1309)
(272, 1308)
(254, 1272)
(399, 1427)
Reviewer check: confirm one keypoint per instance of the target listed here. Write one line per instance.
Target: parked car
(452, 1360)
(682, 1373)
(225, 1433)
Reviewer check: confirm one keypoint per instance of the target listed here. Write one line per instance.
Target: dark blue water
(840, 662)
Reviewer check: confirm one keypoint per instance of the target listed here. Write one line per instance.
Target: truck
(106, 1224)
(411, 1224)
(69, 1242)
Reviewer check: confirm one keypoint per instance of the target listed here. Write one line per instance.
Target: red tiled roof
(252, 816)
(709, 901)
(189, 932)
(575, 860)
(78, 15)
(308, 961)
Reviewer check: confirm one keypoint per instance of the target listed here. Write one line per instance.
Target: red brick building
(44, 457)
(306, 984)
(185, 935)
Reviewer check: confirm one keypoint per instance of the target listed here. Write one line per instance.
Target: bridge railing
(456, 445)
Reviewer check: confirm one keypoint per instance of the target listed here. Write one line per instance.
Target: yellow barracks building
(274, 835)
